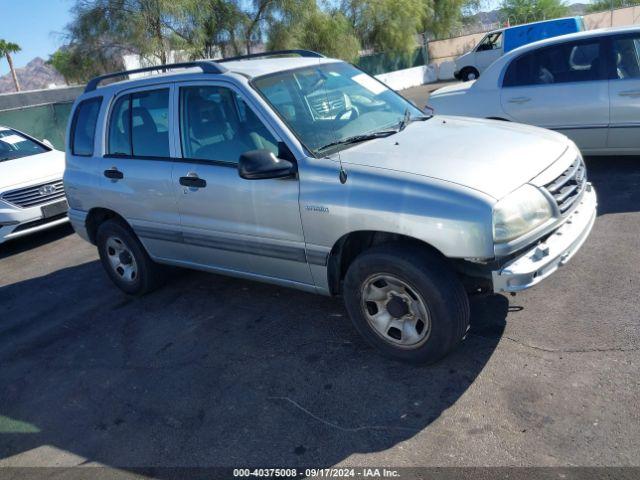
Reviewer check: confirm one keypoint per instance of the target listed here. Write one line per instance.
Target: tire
(428, 281)
(469, 73)
(130, 268)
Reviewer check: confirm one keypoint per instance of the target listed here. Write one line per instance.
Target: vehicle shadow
(617, 183)
(211, 371)
(35, 240)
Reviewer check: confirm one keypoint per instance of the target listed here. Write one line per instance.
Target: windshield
(331, 103)
(15, 145)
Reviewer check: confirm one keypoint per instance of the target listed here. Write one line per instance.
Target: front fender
(455, 220)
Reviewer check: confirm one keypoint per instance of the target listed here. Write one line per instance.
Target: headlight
(520, 212)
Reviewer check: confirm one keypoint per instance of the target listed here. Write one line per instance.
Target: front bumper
(16, 223)
(536, 264)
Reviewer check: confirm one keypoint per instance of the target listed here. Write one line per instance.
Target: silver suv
(306, 172)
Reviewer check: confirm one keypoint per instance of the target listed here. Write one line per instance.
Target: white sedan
(585, 85)
(32, 197)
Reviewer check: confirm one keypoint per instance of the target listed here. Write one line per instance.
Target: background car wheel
(469, 73)
(407, 302)
(125, 259)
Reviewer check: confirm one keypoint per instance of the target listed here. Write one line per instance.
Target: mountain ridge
(35, 75)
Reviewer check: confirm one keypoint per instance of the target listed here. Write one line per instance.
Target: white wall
(409, 77)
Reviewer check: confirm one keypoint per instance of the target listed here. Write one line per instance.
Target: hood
(455, 88)
(490, 156)
(463, 60)
(31, 170)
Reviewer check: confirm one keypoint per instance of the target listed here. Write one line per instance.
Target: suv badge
(316, 208)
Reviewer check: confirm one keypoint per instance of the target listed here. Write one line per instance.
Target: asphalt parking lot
(213, 371)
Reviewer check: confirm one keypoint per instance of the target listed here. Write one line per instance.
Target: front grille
(35, 195)
(569, 186)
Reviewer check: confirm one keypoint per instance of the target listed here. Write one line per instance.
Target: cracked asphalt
(213, 371)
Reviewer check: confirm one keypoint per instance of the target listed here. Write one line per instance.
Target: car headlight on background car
(520, 212)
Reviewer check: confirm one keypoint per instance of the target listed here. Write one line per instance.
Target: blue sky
(35, 26)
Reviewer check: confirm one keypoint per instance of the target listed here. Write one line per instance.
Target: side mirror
(263, 164)
(47, 143)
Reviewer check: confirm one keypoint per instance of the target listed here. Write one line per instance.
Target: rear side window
(626, 52)
(563, 63)
(139, 125)
(84, 127)
(119, 131)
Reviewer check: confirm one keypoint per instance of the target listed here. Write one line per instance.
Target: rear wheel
(407, 302)
(125, 259)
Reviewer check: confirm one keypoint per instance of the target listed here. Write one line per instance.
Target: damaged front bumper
(537, 263)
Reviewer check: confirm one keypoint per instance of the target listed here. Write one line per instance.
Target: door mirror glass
(263, 164)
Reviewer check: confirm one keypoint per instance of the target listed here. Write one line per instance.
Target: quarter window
(216, 124)
(84, 127)
(139, 125)
(562, 63)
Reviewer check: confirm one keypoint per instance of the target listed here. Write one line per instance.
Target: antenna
(342, 174)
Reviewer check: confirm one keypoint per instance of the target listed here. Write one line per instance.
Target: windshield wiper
(407, 119)
(359, 138)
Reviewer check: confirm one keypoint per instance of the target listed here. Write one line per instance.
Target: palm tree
(6, 49)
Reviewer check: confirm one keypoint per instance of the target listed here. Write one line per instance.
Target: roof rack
(207, 66)
(274, 53)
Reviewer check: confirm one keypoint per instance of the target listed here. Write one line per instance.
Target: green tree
(6, 49)
(387, 25)
(445, 15)
(328, 32)
(206, 28)
(73, 65)
(525, 11)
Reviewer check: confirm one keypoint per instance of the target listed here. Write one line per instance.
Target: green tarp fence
(390, 62)
(42, 121)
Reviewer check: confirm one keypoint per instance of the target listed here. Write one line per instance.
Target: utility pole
(612, 13)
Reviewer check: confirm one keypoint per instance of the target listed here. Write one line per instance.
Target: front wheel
(469, 73)
(407, 302)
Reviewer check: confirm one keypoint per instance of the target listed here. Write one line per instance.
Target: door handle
(520, 100)
(193, 181)
(114, 174)
(630, 93)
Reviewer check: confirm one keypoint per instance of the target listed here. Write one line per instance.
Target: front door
(624, 88)
(563, 87)
(489, 50)
(228, 223)
(135, 173)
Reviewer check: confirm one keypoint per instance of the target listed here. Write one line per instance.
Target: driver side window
(492, 41)
(216, 124)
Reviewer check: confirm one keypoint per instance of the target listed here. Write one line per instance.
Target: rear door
(624, 88)
(563, 87)
(228, 223)
(135, 172)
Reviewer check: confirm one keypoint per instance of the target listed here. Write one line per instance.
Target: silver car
(308, 173)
